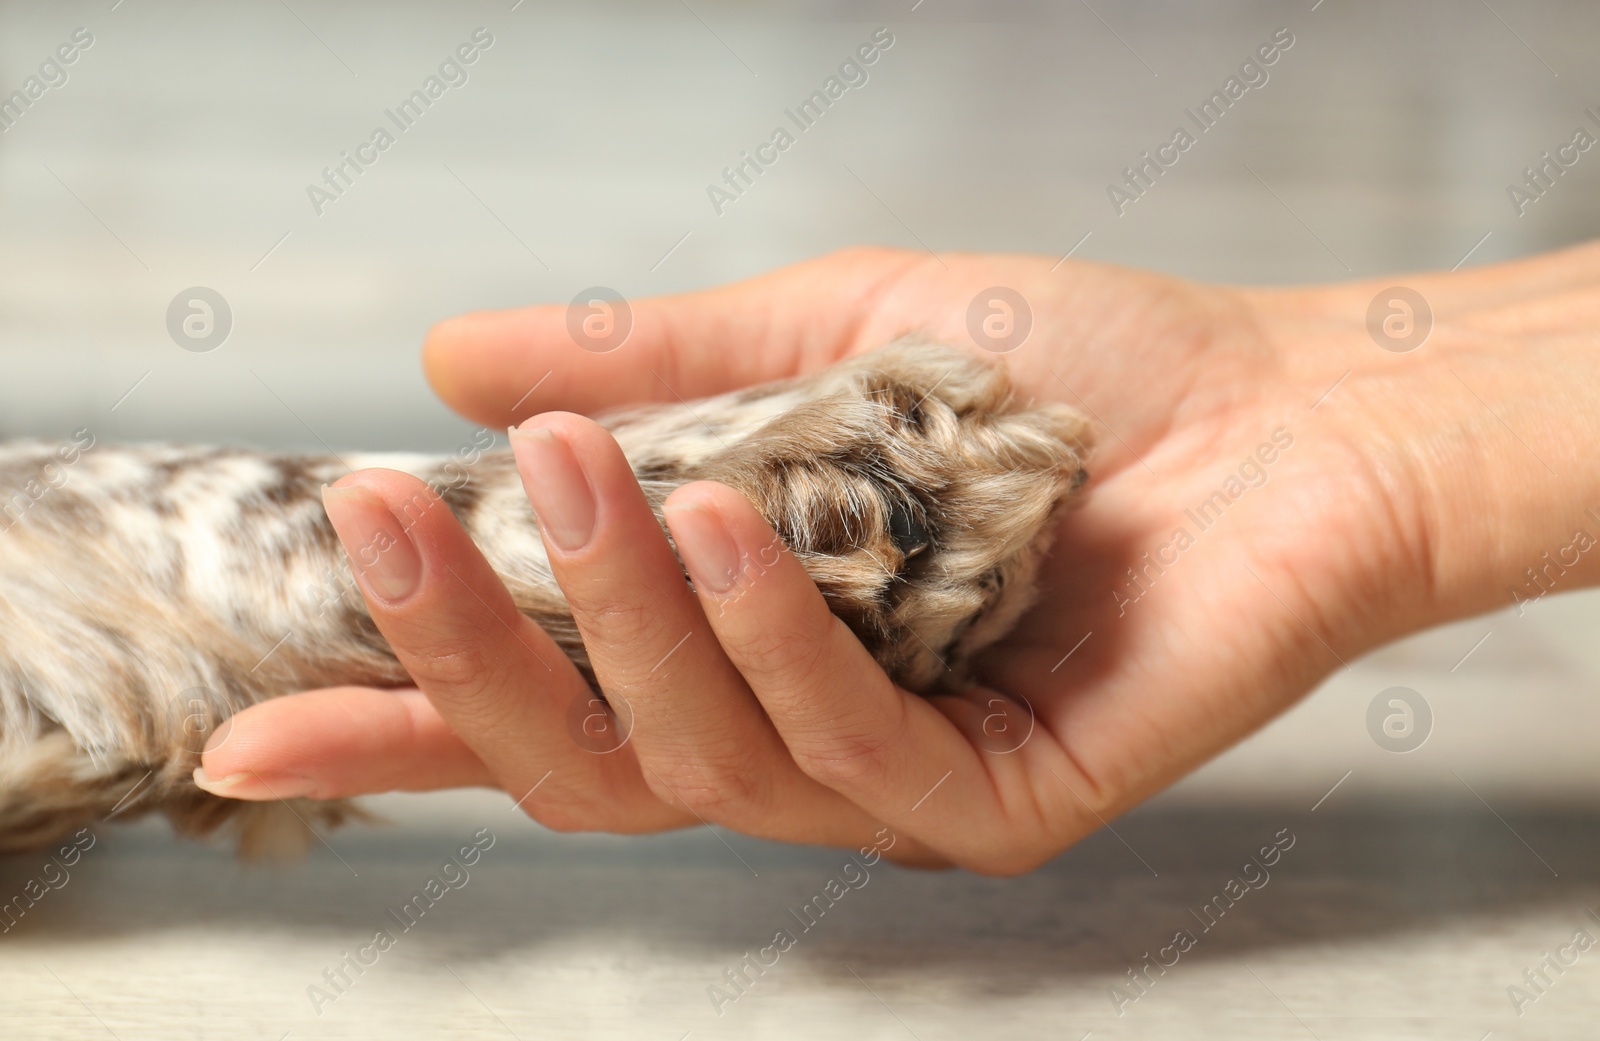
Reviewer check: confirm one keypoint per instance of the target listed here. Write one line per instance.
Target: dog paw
(916, 491)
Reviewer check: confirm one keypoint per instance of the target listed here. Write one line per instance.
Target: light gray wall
(179, 151)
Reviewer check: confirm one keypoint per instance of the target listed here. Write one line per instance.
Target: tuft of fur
(147, 593)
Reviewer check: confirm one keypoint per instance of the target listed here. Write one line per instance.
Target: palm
(1168, 617)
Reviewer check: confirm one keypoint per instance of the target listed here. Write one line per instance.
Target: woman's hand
(1274, 494)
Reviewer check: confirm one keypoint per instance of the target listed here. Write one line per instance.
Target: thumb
(500, 367)
(338, 742)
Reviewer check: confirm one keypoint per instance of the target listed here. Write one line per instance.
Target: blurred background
(180, 147)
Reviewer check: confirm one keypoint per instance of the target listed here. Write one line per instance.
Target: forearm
(1486, 436)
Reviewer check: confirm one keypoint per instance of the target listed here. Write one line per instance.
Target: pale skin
(1419, 490)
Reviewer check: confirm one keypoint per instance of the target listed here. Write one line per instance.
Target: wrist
(1480, 443)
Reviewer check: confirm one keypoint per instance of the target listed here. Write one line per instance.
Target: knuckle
(627, 633)
(474, 679)
(769, 653)
(719, 792)
(464, 672)
(844, 758)
(619, 619)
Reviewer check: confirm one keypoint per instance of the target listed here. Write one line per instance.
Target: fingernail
(706, 546)
(556, 485)
(381, 553)
(255, 787)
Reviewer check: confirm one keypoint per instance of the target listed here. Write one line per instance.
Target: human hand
(1331, 495)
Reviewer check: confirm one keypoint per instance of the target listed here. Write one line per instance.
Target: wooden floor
(1420, 887)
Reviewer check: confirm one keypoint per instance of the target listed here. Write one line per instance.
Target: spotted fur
(147, 593)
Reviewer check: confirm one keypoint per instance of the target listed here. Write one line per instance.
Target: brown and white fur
(147, 593)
